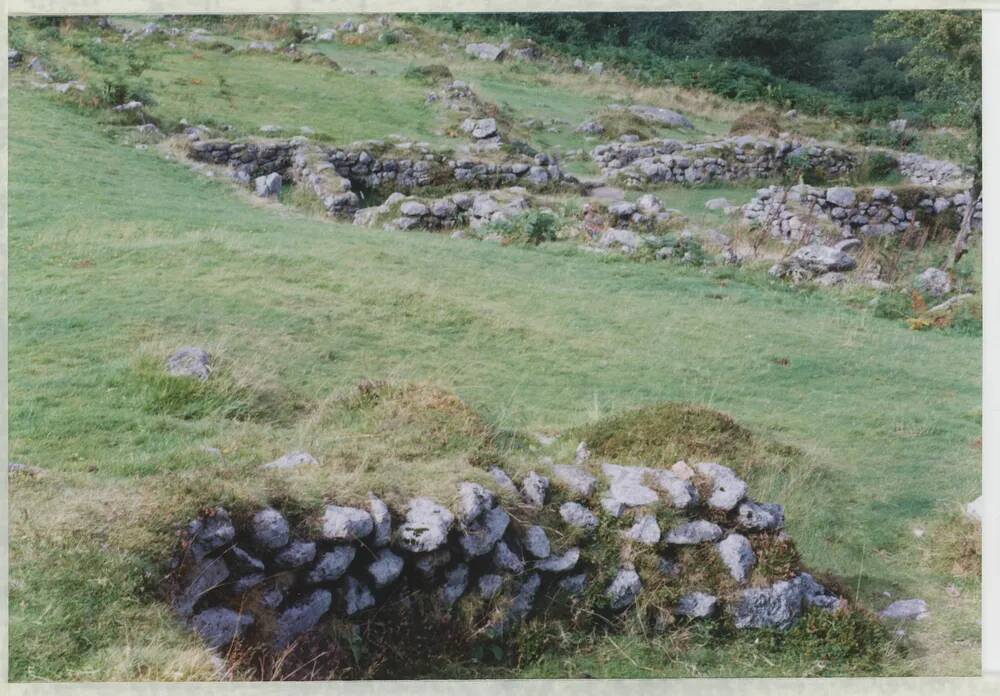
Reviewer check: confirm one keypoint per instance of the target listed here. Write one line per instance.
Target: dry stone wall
(342, 177)
(269, 580)
(728, 159)
(793, 213)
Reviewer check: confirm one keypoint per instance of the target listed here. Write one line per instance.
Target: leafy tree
(946, 56)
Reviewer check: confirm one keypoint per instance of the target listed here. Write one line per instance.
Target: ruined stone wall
(728, 159)
(270, 579)
(794, 212)
(402, 168)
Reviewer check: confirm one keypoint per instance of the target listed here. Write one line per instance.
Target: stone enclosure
(508, 549)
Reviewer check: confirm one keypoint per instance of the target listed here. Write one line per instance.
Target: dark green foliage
(817, 62)
(893, 305)
(532, 227)
(885, 137)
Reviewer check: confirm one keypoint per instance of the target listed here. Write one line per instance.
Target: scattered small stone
(974, 510)
(573, 584)
(190, 361)
(291, 460)
(906, 610)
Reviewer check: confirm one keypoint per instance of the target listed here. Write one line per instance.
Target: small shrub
(893, 305)
(885, 137)
(389, 38)
(531, 227)
(876, 166)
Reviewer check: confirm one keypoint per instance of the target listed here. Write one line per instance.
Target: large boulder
(480, 128)
(267, 186)
(934, 282)
(660, 116)
(777, 606)
(841, 196)
(485, 51)
(814, 259)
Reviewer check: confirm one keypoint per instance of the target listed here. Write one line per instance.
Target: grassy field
(118, 256)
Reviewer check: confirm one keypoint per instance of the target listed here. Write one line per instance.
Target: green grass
(118, 256)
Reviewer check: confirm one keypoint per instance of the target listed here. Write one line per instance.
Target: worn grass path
(116, 252)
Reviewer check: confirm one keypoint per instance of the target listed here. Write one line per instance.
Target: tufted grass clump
(662, 434)
(226, 394)
(428, 74)
(532, 227)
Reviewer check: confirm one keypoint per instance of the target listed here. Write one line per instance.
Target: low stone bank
(602, 534)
